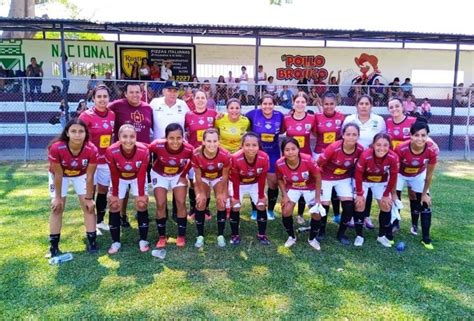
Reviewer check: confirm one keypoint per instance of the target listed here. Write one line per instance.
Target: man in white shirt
(168, 109)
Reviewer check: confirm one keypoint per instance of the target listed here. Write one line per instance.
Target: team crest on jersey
(307, 126)
(305, 175)
(396, 132)
(172, 162)
(298, 128)
(233, 130)
(415, 162)
(210, 120)
(128, 167)
(268, 126)
(85, 162)
(105, 125)
(201, 122)
(406, 131)
(294, 178)
(137, 117)
(138, 164)
(338, 122)
(347, 163)
(74, 163)
(375, 124)
(220, 165)
(328, 124)
(259, 170)
(210, 167)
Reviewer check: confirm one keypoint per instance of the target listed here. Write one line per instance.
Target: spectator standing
(91, 84)
(145, 70)
(34, 71)
(407, 88)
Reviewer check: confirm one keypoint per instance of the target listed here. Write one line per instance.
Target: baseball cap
(171, 84)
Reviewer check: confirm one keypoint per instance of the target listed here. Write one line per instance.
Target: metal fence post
(27, 145)
(467, 148)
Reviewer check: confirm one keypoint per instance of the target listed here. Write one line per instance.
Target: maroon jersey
(335, 164)
(244, 173)
(327, 130)
(413, 164)
(300, 178)
(399, 132)
(101, 129)
(128, 166)
(196, 123)
(210, 168)
(300, 130)
(140, 117)
(170, 163)
(372, 169)
(72, 165)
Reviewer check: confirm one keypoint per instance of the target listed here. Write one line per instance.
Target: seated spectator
(393, 89)
(144, 72)
(377, 92)
(195, 82)
(409, 106)
(271, 88)
(286, 97)
(407, 88)
(221, 92)
(461, 95)
(425, 108)
(356, 89)
(91, 84)
(302, 85)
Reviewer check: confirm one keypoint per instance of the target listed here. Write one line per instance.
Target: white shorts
(165, 182)
(315, 156)
(377, 189)
(102, 175)
(79, 183)
(251, 189)
(343, 188)
(416, 183)
(211, 182)
(124, 184)
(191, 174)
(308, 195)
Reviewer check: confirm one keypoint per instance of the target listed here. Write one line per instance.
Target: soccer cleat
(221, 241)
(124, 221)
(368, 223)
(300, 220)
(414, 230)
(144, 246)
(344, 240)
(235, 239)
(315, 244)
(92, 248)
(351, 223)
(427, 245)
(199, 242)
(337, 219)
(161, 242)
(384, 241)
(103, 226)
(115, 247)
(263, 239)
(270, 215)
(290, 242)
(180, 241)
(392, 242)
(253, 216)
(53, 252)
(359, 241)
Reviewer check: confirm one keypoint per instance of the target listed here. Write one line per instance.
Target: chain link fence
(33, 111)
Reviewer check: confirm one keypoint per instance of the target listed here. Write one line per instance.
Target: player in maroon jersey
(100, 124)
(337, 165)
(327, 129)
(299, 124)
(298, 175)
(418, 158)
(248, 174)
(195, 123)
(72, 158)
(172, 161)
(398, 124)
(377, 170)
(128, 160)
(132, 110)
(211, 166)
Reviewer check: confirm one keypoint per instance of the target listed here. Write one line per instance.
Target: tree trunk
(20, 9)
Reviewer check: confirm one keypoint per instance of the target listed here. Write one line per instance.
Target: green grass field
(248, 281)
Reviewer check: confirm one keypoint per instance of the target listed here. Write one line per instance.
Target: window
(85, 68)
(214, 71)
(435, 77)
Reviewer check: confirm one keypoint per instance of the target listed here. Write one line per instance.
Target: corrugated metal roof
(157, 28)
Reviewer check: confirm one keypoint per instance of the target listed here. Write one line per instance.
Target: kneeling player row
(210, 167)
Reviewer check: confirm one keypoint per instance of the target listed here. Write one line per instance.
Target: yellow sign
(375, 179)
(329, 138)
(340, 171)
(267, 138)
(71, 172)
(105, 141)
(129, 56)
(300, 140)
(200, 134)
(170, 170)
(411, 170)
(211, 175)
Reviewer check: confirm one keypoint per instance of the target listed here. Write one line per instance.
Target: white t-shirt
(369, 129)
(163, 115)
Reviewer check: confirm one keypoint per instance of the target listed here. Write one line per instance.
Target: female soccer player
(196, 122)
(267, 123)
(337, 164)
(72, 158)
(232, 126)
(327, 129)
(299, 125)
(128, 161)
(418, 158)
(298, 175)
(376, 170)
(211, 166)
(398, 124)
(100, 124)
(247, 175)
(172, 162)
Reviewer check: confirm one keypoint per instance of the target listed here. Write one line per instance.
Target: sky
(399, 15)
